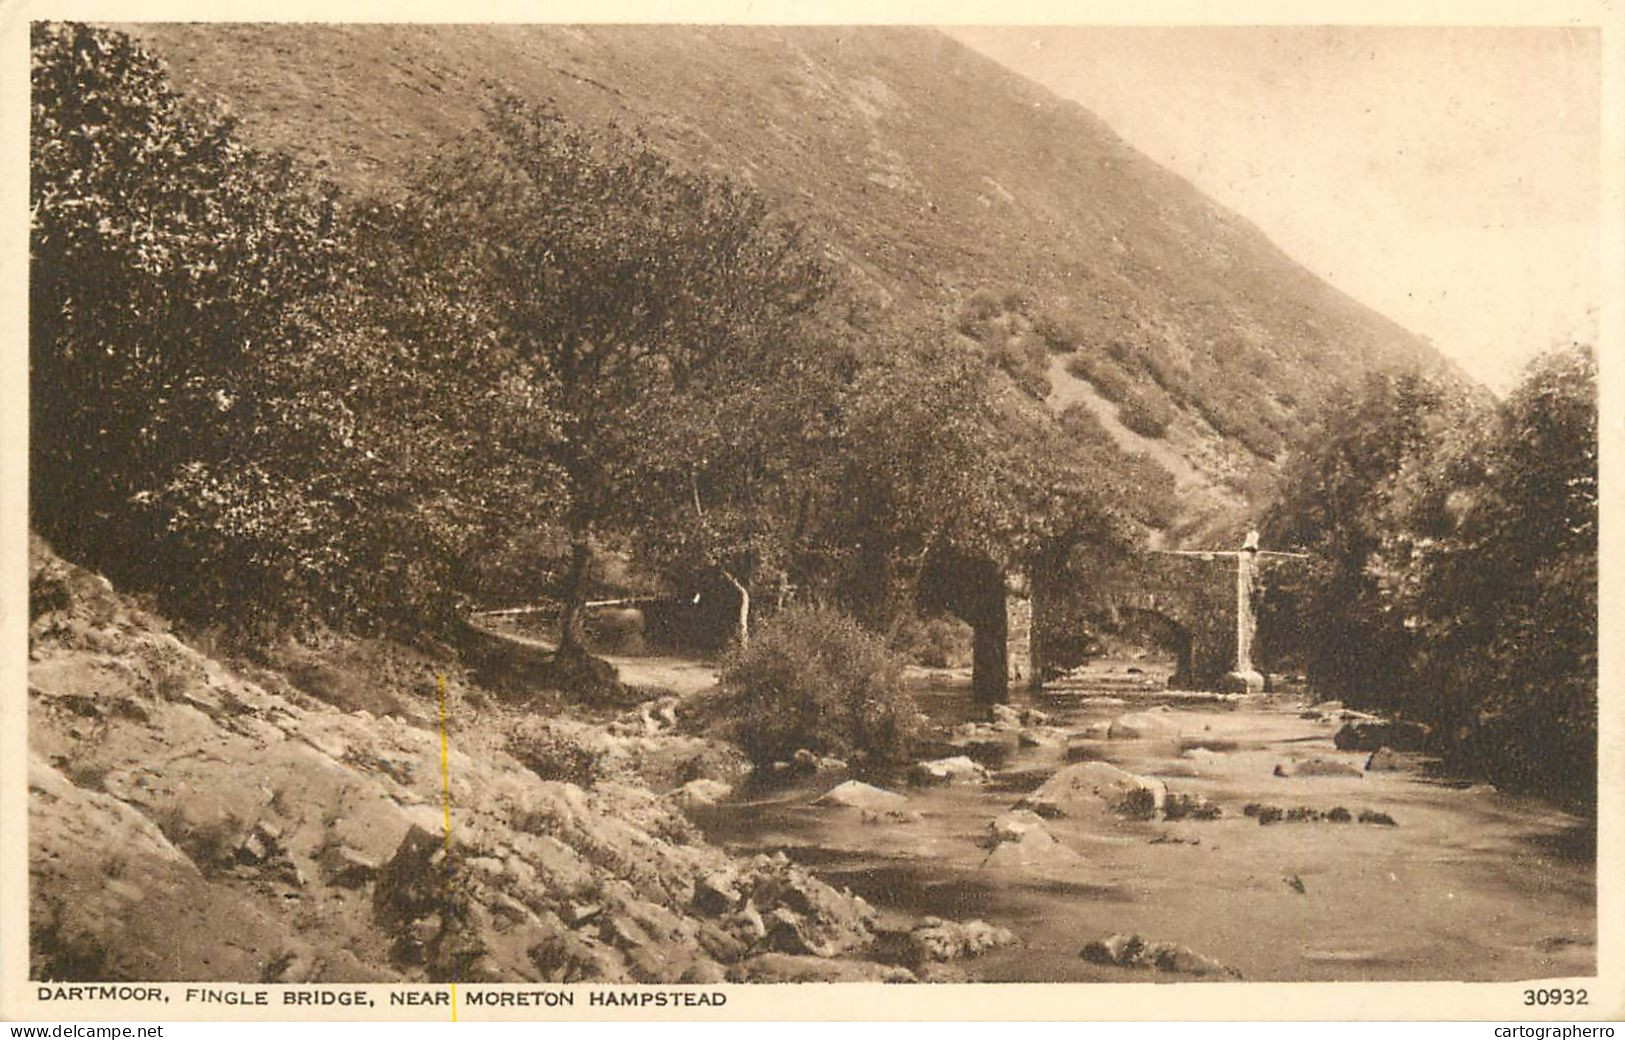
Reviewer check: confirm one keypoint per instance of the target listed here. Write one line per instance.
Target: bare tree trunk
(572, 633)
(743, 630)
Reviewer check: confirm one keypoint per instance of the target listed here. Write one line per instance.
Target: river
(1468, 884)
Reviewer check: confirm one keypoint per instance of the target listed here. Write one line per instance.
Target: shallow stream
(1469, 884)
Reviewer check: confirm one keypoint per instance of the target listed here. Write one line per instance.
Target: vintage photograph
(701, 504)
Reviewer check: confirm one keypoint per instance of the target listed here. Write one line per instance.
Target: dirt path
(683, 676)
(1468, 884)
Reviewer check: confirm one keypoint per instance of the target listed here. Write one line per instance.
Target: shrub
(1262, 441)
(982, 305)
(1108, 380)
(1145, 414)
(812, 678)
(1158, 361)
(1061, 333)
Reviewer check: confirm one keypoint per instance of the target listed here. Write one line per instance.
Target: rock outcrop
(176, 805)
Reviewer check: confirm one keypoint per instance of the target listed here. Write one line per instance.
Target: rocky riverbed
(1117, 813)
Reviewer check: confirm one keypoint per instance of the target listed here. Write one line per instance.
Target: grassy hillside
(948, 185)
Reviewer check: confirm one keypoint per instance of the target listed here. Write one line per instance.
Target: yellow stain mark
(445, 783)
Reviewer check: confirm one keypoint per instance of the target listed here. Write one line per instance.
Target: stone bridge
(1201, 605)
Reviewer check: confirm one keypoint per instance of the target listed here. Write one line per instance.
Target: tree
(953, 483)
(217, 415)
(1456, 570)
(175, 278)
(737, 467)
(1503, 585)
(608, 284)
(1336, 503)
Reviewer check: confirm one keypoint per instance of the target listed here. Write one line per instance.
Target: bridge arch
(1164, 630)
(995, 604)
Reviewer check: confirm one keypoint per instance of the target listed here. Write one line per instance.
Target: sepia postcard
(768, 511)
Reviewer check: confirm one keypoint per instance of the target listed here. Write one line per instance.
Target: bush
(812, 678)
(1262, 441)
(616, 631)
(1146, 415)
(1158, 362)
(1108, 380)
(1024, 360)
(982, 305)
(1061, 333)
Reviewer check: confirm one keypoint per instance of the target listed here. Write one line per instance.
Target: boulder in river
(1093, 732)
(981, 736)
(805, 761)
(1035, 850)
(958, 769)
(1083, 786)
(1398, 734)
(1006, 717)
(1012, 825)
(882, 818)
(700, 794)
(1134, 951)
(1041, 737)
(785, 967)
(1316, 767)
(1189, 807)
(1383, 760)
(934, 939)
(855, 794)
(1143, 725)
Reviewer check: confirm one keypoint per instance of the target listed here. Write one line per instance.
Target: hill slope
(948, 185)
